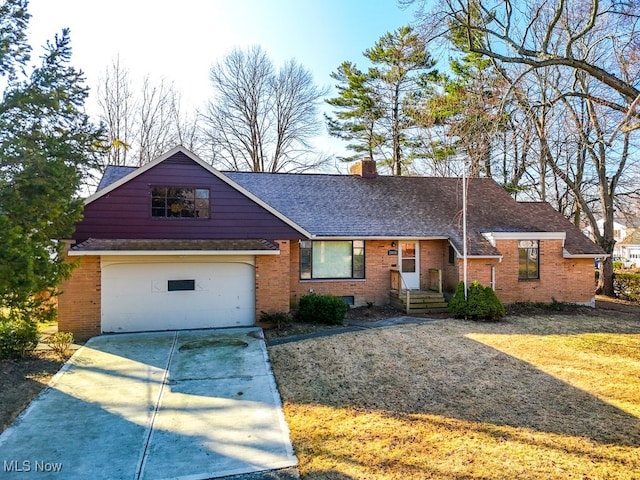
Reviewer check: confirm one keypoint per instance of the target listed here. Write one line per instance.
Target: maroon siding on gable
(125, 213)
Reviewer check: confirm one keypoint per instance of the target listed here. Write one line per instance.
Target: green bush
(327, 309)
(481, 304)
(627, 286)
(18, 337)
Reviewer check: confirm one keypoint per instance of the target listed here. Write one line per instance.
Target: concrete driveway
(187, 404)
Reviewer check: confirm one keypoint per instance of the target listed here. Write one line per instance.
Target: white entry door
(409, 253)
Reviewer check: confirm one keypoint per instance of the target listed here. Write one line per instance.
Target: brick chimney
(366, 168)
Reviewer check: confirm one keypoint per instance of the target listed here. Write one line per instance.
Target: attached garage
(174, 244)
(172, 293)
(135, 285)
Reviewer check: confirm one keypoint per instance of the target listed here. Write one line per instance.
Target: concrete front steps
(418, 301)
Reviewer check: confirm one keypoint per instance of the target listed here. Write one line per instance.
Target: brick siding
(278, 284)
(272, 281)
(79, 305)
(563, 279)
(375, 287)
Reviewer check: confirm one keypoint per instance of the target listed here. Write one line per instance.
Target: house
(629, 248)
(176, 244)
(620, 231)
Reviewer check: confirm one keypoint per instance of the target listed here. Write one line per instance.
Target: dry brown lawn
(549, 397)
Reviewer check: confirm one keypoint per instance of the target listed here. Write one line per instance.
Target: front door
(410, 265)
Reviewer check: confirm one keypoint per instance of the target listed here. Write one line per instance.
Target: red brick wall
(450, 276)
(378, 264)
(374, 288)
(272, 281)
(435, 254)
(79, 305)
(562, 279)
(479, 269)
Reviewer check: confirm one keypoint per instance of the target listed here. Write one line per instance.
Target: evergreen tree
(359, 111)
(469, 109)
(46, 146)
(375, 106)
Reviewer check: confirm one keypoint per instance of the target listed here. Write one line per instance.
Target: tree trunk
(605, 279)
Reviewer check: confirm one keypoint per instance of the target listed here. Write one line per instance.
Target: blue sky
(180, 40)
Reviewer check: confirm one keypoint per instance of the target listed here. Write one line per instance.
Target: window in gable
(528, 260)
(331, 259)
(180, 202)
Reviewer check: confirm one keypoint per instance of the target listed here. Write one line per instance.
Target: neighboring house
(629, 248)
(619, 233)
(176, 244)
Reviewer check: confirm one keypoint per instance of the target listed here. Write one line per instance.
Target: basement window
(181, 285)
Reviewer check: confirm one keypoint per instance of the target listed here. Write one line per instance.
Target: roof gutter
(566, 254)
(392, 238)
(153, 253)
(493, 236)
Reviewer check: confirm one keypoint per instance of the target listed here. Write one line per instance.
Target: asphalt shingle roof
(97, 245)
(391, 206)
(112, 174)
(633, 238)
(394, 207)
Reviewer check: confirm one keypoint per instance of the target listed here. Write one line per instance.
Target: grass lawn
(550, 397)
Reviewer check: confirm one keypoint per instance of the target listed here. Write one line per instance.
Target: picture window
(331, 259)
(180, 202)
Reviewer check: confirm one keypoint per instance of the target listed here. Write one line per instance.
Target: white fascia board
(149, 253)
(377, 237)
(409, 239)
(138, 171)
(476, 257)
(493, 236)
(566, 254)
(210, 169)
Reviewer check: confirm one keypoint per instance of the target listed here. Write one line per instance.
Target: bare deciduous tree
(538, 33)
(573, 68)
(143, 119)
(155, 120)
(261, 119)
(117, 103)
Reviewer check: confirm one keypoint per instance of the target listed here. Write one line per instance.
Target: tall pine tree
(375, 105)
(47, 143)
(358, 112)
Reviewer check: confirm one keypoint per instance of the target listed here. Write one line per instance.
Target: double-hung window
(528, 260)
(332, 259)
(180, 202)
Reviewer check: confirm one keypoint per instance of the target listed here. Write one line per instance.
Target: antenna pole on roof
(464, 227)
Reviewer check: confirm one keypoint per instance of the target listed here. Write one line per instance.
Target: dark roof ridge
(348, 175)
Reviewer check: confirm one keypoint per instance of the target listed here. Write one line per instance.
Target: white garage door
(171, 295)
